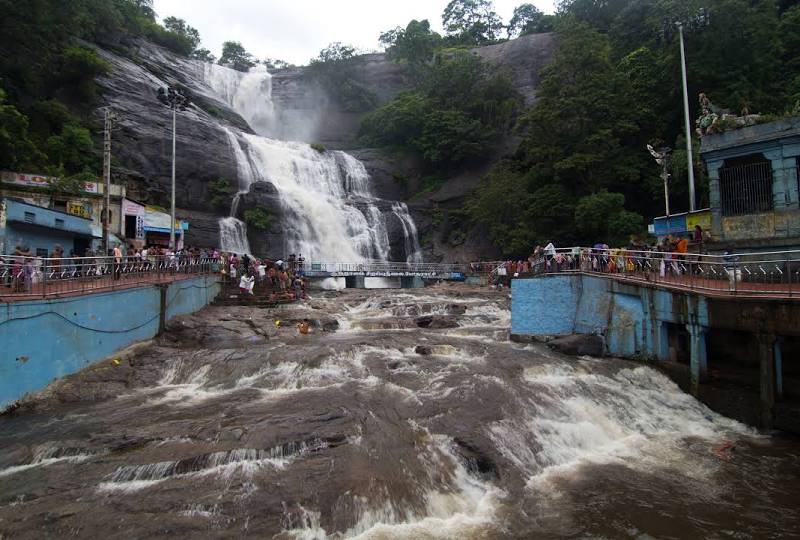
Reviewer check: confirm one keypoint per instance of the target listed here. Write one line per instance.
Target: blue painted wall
(34, 239)
(630, 317)
(42, 340)
(544, 306)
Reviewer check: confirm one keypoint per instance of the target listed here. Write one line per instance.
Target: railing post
(43, 270)
(789, 271)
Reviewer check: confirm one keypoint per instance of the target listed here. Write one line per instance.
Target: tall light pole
(690, 162)
(697, 21)
(176, 100)
(108, 121)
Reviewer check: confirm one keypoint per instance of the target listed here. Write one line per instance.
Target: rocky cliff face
(142, 141)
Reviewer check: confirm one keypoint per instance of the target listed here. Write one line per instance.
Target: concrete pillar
(697, 355)
(714, 199)
(663, 341)
(411, 282)
(162, 307)
(354, 282)
(766, 358)
(779, 368)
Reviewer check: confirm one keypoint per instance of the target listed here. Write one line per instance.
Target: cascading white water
(232, 231)
(249, 94)
(412, 247)
(330, 213)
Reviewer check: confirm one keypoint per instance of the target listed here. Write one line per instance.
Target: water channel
(403, 415)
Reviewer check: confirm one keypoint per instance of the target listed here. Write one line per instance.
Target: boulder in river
(578, 345)
(435, 321)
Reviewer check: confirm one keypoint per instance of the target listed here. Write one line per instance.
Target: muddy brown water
(233, 426)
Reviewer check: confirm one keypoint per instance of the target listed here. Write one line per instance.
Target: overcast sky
(296, 30)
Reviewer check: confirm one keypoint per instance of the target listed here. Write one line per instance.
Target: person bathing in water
(304, 327)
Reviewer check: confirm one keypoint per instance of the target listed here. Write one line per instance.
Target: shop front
(156, 228)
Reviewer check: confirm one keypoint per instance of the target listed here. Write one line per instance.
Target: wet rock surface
(578, 345)
(232, 424)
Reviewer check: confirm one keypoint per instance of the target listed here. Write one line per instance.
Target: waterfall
(329, 212)
(412, 247)
(249, 94)
(232, 231)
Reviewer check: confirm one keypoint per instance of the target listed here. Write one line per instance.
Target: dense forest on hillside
(48, 98)
(581, 172)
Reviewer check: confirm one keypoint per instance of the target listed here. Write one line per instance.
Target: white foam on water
(223, 465)
(635, 417)
(8, 471)
(332, 284)
(464, 507)
(201, 510)
(52, 453)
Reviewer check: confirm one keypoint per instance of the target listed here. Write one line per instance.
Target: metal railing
(32, 277)
(773, 274)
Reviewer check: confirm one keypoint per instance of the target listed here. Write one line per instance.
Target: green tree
(413, 45)
(71, 149)
(471, 22)
(203, 55)
(276, 63)
(453, 116)
(790, 37)
(338, 69)
(77, 72)
(179, 27)
(602, 217)
(451, 137)
(583, 117)
(528, 19)
(501, 202)
(399, 122)
(236, 57)
(16, 149)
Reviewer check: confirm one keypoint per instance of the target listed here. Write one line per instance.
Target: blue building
(754, 185)
(41, 229)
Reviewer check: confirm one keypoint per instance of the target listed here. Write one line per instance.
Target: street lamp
(175, 99)
(663, 156)
(699, 20)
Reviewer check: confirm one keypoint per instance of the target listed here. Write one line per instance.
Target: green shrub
(319, 147)
(258, 218)
(220, 191)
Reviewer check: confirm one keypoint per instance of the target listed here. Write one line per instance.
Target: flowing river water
(403, 415)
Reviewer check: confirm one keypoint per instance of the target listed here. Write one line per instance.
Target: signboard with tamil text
(80, 208)
(35, 180)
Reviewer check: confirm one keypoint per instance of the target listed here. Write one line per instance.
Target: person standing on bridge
(300, 263)
(549, 255)
(117, 261)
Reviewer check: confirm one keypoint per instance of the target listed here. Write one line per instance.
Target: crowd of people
(668, 257)
(281, 280)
